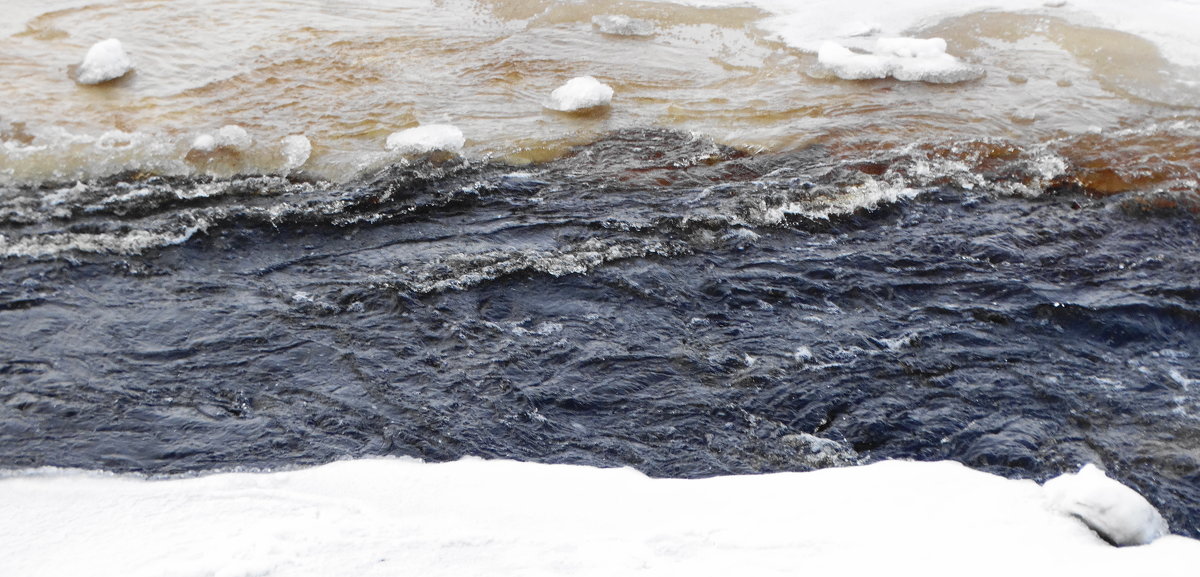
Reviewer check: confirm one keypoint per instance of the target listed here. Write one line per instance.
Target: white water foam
(472, 517)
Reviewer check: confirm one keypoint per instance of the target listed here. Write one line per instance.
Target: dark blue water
(652, 300)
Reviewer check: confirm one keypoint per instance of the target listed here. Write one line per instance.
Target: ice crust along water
(580, 93)
(1115, 511)
(105, 60)
(403, 517)
(905, 59)
(426, 138)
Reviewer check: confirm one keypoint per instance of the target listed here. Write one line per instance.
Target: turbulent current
(781, 236)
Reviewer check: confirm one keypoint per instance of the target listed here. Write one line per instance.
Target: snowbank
(580, 93)
(105, 60)
(427, 138)
(472, 517)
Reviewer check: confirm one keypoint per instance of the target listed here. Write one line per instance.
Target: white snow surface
(580, 93)
(427, 138)
(1111, 509)
(105, 60)
(906, 59)
(396, 517)
(1170, 24)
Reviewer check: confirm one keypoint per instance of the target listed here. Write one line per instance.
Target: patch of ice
(905, 59)
(620, 25)
(1119, 514)
(427, 138)
(296, 150)
(105, 60)
(580, 93)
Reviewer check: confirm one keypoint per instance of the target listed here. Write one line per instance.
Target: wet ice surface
(652, 300)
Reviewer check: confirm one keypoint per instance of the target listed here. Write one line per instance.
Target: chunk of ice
(105, 60)
(1119, 514)
(905, 59)
(296, 150)
(427, 138)
(580, 93)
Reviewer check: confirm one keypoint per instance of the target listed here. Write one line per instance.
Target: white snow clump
(905, 59)
(580, 93)
(229, 136)
(1119, 514)
(427, 138)
(296, 150)
(105, 60)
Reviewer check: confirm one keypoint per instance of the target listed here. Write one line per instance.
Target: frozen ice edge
(404, 517)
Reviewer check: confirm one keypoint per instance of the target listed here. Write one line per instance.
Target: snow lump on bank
(1116, 512)
(105, 60)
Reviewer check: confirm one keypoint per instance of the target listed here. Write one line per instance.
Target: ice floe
(105, 60)
(905, 59)
(580, 93)
(427, 138)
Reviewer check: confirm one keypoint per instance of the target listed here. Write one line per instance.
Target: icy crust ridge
(404, 517)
